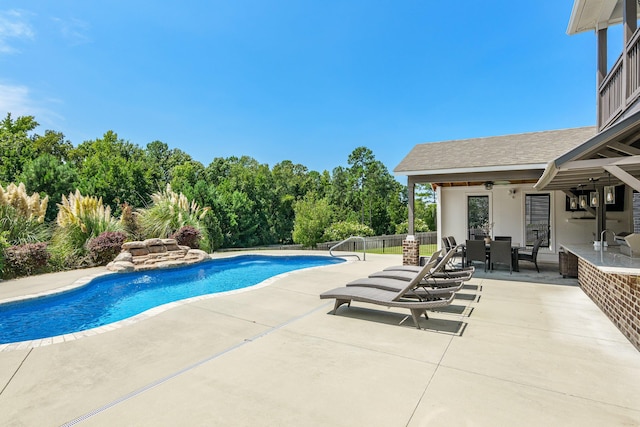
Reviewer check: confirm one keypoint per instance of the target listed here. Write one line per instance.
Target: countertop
(608, 260)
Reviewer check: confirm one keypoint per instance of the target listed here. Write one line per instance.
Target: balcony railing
(621, 86)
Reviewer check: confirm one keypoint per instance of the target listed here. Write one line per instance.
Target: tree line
(248, 203)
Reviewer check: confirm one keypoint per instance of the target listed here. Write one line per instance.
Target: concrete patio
(508, 352)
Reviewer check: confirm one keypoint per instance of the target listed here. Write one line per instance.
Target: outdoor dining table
(515, 249)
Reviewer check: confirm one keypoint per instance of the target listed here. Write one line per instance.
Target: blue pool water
(115, 297)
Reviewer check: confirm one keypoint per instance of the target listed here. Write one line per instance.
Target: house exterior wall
(571, 229)
(507, 213)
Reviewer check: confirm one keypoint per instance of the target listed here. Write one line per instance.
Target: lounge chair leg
(339, 302)
(416, 313)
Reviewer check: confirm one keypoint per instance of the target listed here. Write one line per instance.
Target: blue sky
(306, 81)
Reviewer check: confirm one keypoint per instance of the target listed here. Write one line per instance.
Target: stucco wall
(571, 229)
(507, 212)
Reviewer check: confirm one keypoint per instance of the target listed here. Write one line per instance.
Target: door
(477, 215)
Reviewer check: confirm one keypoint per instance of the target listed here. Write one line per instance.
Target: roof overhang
(467, 171)
(518, 174)
(608, 157)
(593, 15)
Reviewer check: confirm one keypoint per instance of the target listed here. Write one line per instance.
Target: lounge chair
(459, 250)
(446, 246)
(423, 290)
(405, 298)
(439, 276)
(434, 257)
(446, 273)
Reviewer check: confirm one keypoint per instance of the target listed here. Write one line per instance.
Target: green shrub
(344, 229)
(418, 224)
(80, 218)
(24, 260)
(104, 248)
(169, 212)
(313, 215)
(20, 229)
(3, 245)
(29, 207)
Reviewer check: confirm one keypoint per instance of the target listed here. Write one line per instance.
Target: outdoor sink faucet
(602, 236)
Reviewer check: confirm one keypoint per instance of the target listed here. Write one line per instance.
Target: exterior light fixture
(594, 199)
(609, 193)
(488, 185)
(582, 201)
(573, 203)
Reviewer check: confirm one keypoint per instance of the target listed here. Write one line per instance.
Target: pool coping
(85, 280)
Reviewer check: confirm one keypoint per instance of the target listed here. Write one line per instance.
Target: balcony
(621, 87)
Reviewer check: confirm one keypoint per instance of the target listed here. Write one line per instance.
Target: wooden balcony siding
(610, 102)
(633, 61)
(621, 86)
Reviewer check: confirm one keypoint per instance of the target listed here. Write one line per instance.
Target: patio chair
(533, 255)
(503, 238)
(458, 248)
(500, 253)
(476, 251)
(405, 298)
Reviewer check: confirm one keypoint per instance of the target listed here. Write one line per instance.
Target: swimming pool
(116, 297)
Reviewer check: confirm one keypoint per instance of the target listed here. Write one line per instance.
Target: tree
(115, 169)
(290, 184)
(367, 193)
(313, 216)
(15, 145)
(430, 217)
(48, 175)
(185, 176)
(51, 143)
(164, 160)
(246, 191)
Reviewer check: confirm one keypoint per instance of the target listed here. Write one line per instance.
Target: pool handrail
(364, 248)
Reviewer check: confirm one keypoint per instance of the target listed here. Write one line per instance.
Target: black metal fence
(386, 244)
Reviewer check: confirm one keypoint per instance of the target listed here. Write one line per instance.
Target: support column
(630, 20)
(601, 214)
(602, 71)
(411, 201)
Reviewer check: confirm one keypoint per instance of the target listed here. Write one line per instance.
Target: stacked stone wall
(155, 253)
(617, 295)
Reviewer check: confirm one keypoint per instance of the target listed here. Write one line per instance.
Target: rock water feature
(151, 254)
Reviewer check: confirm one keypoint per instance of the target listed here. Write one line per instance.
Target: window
(537, 218)
(477, 214)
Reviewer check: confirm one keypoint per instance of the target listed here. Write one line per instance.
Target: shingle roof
(499, 151)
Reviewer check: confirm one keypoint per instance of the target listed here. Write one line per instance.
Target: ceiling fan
(488, 185)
